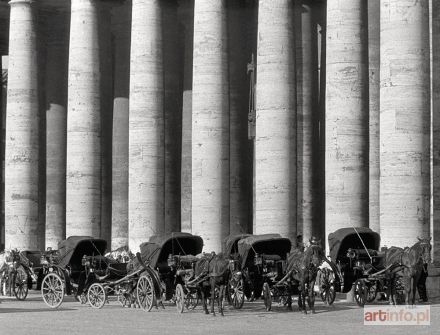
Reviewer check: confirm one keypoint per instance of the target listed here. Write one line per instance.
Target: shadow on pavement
(31, 310)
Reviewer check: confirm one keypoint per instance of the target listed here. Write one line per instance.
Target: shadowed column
(346, 160)
(22, 121)
(275, 141)
(83, 179)
(121, 22)
(146, 124)
(404, 121)
(56, 126)
(210, 124)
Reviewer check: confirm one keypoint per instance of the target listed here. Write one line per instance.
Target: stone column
(346, 137)
(275, 141)
(146, 124)
(374, 91)
(436, 129)
(121, 22)
(173, 63)
(22, 135)
(57, 51)
(83, 178)
(210, 124)
(404, 121)
(307, 93)
(186, 12)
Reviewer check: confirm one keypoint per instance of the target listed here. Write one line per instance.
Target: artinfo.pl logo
(397, 315)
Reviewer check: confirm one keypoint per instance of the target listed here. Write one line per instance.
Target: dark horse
(303, 268)
(214, 272)
(408, 264)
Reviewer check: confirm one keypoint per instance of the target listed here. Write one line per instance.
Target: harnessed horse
(408, 264)
(303, 267)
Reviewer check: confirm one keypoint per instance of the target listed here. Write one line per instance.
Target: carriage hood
(272, 244)
(71, 250)
(343, 239)
(158, 248)
(230, 243)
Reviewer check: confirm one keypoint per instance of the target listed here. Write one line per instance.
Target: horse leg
(414, 288)
(312, 297)
(221, 296)
(304, 294)
(212, 296)
(203, 294)
(289, 298)
(300, 306)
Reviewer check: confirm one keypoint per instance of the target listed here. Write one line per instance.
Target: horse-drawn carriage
(259, 268)
(357, 262)
(19, 272)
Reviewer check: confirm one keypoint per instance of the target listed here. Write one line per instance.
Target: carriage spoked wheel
(52, 290)
(371, 292)
(20, 283)
(236, 292)
(192, 300)
(267, 297)
(145, 293)
(97, 295)
(360, 292)
(328, 291)
(180, 298)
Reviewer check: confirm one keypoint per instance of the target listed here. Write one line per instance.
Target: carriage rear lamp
(351, 253)
(43, 260)
(171, 261)
(258, 259)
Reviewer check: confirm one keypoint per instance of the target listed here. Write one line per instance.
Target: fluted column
(346, 160)
(21, 157)
(173, 114)
(83, 178)
(56, 125)
(121, 21)
(275, 141)
(186, 13)
(374, 91)
(210, 124)
(404, 121)
(146, 124)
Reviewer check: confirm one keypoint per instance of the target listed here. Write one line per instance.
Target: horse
(408, 264)
(303, 268)
(215, 270)
(7, 259)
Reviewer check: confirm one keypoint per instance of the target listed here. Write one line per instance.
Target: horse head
(314, 254)
(424, 248)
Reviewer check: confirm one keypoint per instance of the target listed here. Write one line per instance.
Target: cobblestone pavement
(34, 317)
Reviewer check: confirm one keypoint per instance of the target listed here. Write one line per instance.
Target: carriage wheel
(52, 290)
(236, 293)
(97, 295)
(328, 291)
(267, 297)
(146, 295)
(360, 292)
(192, 300)
(180, 298)
(20, 283)
(371, 291)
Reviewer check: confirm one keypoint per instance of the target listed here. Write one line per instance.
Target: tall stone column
(173, 113)
(374, 109)
(186, 13)
(146, 124)
(21, 157)
(275, 141)
(121, 22)
(307, 92)
(83, 177)
(436, 128)
(210, 124)
(404, 121)
(56, 125)
(346, 128)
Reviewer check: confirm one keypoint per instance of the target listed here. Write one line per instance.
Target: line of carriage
(165, 270)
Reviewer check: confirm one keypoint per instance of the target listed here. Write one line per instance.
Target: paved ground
(34, 317)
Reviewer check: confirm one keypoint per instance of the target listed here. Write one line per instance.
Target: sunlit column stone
(404, 121)
(56, 125)
(146, 124)
(210, 124)
(21, 156)
(83, 178)
(275, 142)
(121, 20)
(346, 159)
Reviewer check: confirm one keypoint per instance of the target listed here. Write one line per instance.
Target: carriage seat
(188, 259)
(117, 269)
(272, 257)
